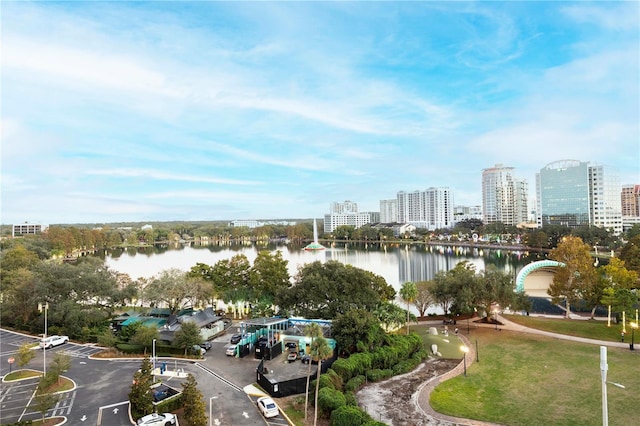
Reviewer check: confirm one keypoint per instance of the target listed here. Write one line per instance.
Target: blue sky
(142, 111)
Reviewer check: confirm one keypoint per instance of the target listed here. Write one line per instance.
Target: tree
(325, 290)
(492, 286)
(408, 293)
(145, 335)
(140, 396)
(357, 330)
(268, 276)
(573, 281)
(107, 339)
(24, 355)
(424, 298)
(60, 364)
(172, 288)
(313, 330)
(391, 316)
(320, 350)
(187, 336)
(618, 275)
(195, 412)
(453, 288)
(630, 254)
(45, 402)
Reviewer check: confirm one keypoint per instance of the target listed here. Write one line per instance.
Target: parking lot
(102, 386)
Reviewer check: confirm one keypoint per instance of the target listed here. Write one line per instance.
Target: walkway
(436, 419)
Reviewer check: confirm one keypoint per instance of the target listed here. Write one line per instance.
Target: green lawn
(525, 379)
(449, 346)
(580, 328)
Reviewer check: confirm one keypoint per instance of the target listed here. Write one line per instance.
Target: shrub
(377, 374)
(350, 397)
(336, 380)
(355, 383)
(348, 415)
(330, 399)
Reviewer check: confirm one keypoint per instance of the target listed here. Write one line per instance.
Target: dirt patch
(394, 401)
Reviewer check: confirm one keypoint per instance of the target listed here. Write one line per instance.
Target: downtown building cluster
(568, 193)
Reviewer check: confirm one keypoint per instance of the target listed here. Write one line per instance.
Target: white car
(155, 419)
(231, 350)
(267, 407)
(52, 341)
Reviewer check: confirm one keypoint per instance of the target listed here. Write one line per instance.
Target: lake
(396, 263)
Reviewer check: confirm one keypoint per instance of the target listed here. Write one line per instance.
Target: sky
(162, 111)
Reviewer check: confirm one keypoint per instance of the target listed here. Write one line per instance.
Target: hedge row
(402, 354)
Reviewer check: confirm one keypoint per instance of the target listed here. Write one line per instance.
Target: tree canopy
(325, 290)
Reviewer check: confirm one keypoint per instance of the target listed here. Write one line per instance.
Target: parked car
(236, 338)
(155, 419)
(306, 358)
(206, 345)
(267, 407)
(198, 350)
(292, 356)
(52, 341)
(231, 350)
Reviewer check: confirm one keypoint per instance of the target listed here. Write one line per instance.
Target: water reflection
(396, 263)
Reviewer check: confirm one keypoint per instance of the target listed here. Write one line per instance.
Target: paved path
(424, 393)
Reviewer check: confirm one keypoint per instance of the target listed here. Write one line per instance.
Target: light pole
(603, 370)
(44, 307)
(477, 352)
(464, 350)
(153, 355)
(633, 325)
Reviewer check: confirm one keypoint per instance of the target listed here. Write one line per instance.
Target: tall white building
(346, 213)
(430, 209)
(504, 196)
(346, 207)
(574, 193)
(388, 211)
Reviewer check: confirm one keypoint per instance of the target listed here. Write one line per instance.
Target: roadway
(100, 396)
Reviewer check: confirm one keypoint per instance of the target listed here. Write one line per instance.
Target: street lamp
(464, 350)
(633, 325)
(44, 307)
(153, 355)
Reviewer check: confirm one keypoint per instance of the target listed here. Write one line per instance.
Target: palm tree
(313, 330)
(408, 293)
(320, 350)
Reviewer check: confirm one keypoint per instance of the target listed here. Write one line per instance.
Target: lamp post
(464, 350)
(633, 325)
(477, 352)
(153, 355)
(44, 307)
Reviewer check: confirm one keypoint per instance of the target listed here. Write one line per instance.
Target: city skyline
(156, 111)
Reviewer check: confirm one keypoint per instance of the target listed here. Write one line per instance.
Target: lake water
(397, 264)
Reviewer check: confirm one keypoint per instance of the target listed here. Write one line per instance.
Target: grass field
(580, 328)
(525, 379)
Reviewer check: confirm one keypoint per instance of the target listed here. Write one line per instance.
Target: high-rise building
(388, 211)
(430, 209)
(504, 197)
(574, 193)
(343, 208)
(630, 198)
(347, 214)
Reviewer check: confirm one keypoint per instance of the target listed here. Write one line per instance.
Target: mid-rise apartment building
(430, 209)
(461, 213)
(26, 229)
(630, 198)
(504, 196)
(346, 213)
(389, 211)
(574, 193)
